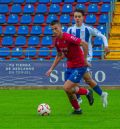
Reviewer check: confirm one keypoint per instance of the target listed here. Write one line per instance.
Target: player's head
(78, 16)
(56, 28)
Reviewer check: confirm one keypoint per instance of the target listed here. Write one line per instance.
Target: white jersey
(86, 32)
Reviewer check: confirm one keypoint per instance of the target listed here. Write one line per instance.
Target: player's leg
(88, 79)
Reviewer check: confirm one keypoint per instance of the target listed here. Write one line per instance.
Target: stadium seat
(67, 8)
(64, 19)
(4, 8)
(14, 59)
(73, 21)
(105, 8)
(18, 1)
(10, 30)
(44, 51)
(50, 18)
(4, 52)
(36, 30)
(106, 1)
(39, 19)
(102, 29)
(103, 19)
(27, 59)
(5, 1)
(69, 1)
(56, 1)
(16, 8)
(93, 8)
(80, 6)
(44, 1)
(23, 30)
(2, 19)
(90, 19)
(26, 19)
(41, 59)
(31, 1)
(33, 41)
(64, 28)
(41, 8)
(28, 8)
(31, 51)
(20, 41)
(82, 1)
(1, 59)
(46, 41)
(95, 1)
(7, 41)
(97, 51)
(17, 51)
(0, 29)
(98, 41)
(13, 19)
(54, 8)
(48, 30)
(54, 52)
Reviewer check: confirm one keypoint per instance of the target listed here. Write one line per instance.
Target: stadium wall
(32, 73)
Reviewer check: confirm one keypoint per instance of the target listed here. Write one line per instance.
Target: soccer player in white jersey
(86, 32)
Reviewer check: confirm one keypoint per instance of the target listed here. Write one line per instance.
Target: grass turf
(18, 110)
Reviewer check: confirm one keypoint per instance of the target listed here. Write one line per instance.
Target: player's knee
(66, 89)
(88, 81)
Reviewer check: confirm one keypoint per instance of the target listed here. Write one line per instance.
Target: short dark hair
(80, 11)
(54, 22)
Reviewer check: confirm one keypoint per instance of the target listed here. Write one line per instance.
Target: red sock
(82, 91)
(75, 104)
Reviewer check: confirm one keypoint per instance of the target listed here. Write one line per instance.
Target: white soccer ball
(43, 109)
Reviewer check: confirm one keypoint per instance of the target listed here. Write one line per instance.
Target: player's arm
(58, 57)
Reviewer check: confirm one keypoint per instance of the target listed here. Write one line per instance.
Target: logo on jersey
(74, 38)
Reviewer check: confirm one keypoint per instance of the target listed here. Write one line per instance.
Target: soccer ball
(43, 109)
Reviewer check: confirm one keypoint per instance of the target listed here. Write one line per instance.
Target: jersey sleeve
(72, 39)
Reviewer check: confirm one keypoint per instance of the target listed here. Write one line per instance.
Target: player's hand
(48, 72)
(107, 50)
(87, 63)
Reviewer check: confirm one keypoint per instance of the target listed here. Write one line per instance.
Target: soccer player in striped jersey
(68, 46)
(86, 33)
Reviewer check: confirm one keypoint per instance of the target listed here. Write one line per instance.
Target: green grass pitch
(18, 110)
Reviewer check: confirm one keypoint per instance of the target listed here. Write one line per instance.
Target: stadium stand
(24, 26)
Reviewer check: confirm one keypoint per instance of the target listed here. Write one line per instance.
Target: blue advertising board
(32, 73)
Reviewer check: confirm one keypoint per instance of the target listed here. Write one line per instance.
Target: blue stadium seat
(98, 41)
(18, 1)
(4, 8)
(102, 29)
(93, 8)
(90, 19)
(46, 40)
(13, 19)
(4, 52)
(16, 8)
(17, 51)
(33, 41)
(5, 1)
(56, 1)
(26, 19)
(44, 51)
(48, 30)
(105, 8)
(64, 28)
(0, 29)
(50, 18)
(7, 41)
(23, 30)
(28, 58)
(14, 59)
(10, 30)
(64, 19)
(97, 51)
(82, 1)
(69, 1)
(103, 19)
(44, 1)
(54, 8)
(41, 59)
(31, 1)
(67, 8)
(20, 41)
(41, 8)
(31, 51)
(106, 1)
(2, 19)
(36, 30)
(80, 6)
(73, 21)
(95, 1)
(28, 8)
(54, 52)
(1, 59)
(39, 19)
